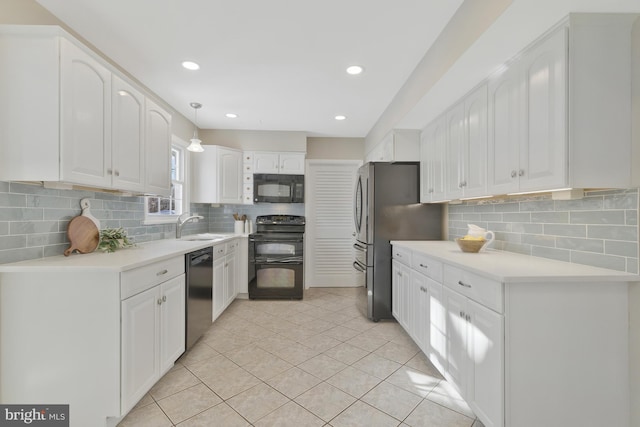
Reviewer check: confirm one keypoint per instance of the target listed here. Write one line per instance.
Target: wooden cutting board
(83, 235)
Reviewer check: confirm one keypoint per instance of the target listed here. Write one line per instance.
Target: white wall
(248, 140)
(335, 148)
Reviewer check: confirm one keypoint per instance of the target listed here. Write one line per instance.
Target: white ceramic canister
(239, 227)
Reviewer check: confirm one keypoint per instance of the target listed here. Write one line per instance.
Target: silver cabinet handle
(461, 313)
(461, 283)
(424, 266)
(514, 173)
(159, 301)
(164, 298)
(399, 255)
(161, 273)
(521, 172)
(117, 173)
(400, 273)
(467, 318)
(109, 171)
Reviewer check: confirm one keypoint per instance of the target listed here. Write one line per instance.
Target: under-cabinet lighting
(538, 191)
(231, 115)
(340, 117)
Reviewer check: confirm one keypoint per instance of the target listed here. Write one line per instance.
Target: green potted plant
(114, 238)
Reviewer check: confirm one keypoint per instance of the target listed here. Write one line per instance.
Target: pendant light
(195, 141)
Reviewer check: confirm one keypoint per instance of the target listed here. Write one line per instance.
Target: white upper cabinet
(127, 135)
(278, 163)
(432, 158)
(158, 149)
(94, 128)
(474, 148)
(217, 175)
(559, 115)
(85, 102)
(399, 145)
(528, 138)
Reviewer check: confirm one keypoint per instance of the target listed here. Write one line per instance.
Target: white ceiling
(279, 64)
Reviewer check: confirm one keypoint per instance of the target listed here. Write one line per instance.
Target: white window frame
(151, 219)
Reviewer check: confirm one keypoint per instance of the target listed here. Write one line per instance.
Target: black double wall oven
(276, 267)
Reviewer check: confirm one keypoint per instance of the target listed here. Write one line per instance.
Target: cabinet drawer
(427, 266)
(219, 250)
(402, 255)
(480, 289)
(232, 246)
(140, 279)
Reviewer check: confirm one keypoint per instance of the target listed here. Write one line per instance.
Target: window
(160, 210)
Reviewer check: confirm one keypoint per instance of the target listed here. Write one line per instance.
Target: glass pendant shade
(196, 144)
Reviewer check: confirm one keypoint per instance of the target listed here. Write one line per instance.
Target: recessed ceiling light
(190, 65)
(341, 117)
(354, 70)
(231, 115)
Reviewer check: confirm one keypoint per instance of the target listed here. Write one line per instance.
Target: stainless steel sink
(203, 236)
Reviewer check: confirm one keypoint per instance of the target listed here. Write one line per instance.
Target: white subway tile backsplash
(600, 229)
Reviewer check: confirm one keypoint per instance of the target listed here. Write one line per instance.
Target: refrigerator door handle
(358, 267)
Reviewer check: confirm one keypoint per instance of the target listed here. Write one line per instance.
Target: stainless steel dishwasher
(199, 266)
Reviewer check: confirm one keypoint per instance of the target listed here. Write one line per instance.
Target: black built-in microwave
(277, 188)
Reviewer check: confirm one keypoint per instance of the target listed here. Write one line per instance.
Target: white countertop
(120, 260)
(509, 267)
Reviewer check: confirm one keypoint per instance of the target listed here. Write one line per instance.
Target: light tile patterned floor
(315, 362)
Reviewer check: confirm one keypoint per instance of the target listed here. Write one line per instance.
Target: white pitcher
(476, 231)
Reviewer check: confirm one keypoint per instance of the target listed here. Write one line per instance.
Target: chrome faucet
(182, 220)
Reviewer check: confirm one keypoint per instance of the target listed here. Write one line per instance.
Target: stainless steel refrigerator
(387, 207)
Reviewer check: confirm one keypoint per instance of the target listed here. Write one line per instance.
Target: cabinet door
(85, 132)
(172, 321)
(158, 150)
(437, 348)
(218, 287)
(292, 163)
(474, 150)
(127, 150)
(454, 147)
(432, 158)
(421, 315)
(231, 278)
(229, 176)
(543, 152)
(266, 162)
(485, 392)
(456, 372)
(396, 291)
(504, 131)
(140, 337)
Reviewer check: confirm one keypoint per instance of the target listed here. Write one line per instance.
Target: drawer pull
(159, 301)
(399, 255)
(461, 283)
(164, 298)
(461, 313)
(424, 266)
(467, 318)
(161, 273)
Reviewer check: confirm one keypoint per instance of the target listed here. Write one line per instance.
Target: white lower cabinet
(153, 337)
(226, 263)
(463, 339)
(475, 355)
(518, 336)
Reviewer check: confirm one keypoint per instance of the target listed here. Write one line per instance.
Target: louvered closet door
(329, 252)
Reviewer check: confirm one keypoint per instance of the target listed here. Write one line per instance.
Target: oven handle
(359, 247)
(259, 240)
(359, 267)
(293, 260)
